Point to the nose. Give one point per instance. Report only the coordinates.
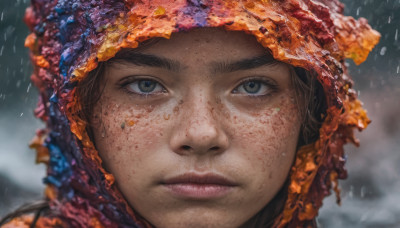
(198, 131)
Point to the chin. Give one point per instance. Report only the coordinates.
(205, 219)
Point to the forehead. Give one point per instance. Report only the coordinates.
(211, 43)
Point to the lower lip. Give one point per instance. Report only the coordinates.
(199, 191)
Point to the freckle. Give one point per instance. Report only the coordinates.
(136, 146)
(176, 109)
(131, 123)
(270, 175)
(119, 148)
(161, 134)
(180, 102)
(166, 117)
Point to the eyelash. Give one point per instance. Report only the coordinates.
(271, 87)
(125, 84)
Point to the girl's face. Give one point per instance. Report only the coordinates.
(199, 130)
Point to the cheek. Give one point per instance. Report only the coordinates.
(268, 138)
(125, 135)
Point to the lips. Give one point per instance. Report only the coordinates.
(199, 186)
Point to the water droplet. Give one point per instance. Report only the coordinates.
(383, 51)
(358, 11)
(398, 69)
(351, 191)
(21, 114)
(363, 191)
(389, 19)
(18, 83)
(2, 16)
(166, 117)
(29, 87)
(396, 34)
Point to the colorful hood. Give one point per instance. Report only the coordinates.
(70, 37)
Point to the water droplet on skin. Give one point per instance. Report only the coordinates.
(166, 117)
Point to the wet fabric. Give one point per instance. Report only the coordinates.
(70, 37)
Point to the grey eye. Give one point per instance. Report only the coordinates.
(147, 86)
(252, 87)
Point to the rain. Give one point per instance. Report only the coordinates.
(370, 195)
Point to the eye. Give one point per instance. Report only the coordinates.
(255, 87)
(144, 87)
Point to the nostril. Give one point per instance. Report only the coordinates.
(214, 148)
(185, 147)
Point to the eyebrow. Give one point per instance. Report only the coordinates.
(244, 64)
(140, 59)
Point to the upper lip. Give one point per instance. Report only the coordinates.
(200, 179)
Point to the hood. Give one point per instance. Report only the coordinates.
(70, 37)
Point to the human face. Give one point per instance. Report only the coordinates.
(199, 130)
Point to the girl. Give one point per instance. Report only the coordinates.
(192, 113)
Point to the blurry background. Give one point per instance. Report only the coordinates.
(371, 194)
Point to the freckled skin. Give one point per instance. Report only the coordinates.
(249, 140)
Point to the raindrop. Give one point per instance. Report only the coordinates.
(29, 87)
(1, 51)
(14, 49)
(358, 11)
(2, 16)
(389, 19)
(363, 191)
(398, 69)
(383, 51)
(21, 114)
(351, 191)
(18, 83)
(396, 34)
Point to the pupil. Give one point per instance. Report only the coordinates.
(147, 86)
(252, 87)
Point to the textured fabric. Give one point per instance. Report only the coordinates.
(69, 38)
